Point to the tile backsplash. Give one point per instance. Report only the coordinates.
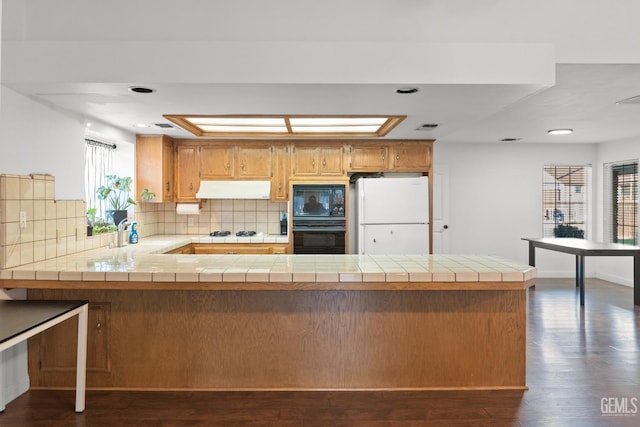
(50, 228)
(232, 215)
(54, 228)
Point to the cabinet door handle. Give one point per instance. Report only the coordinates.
(168, 186)
(397, 156)
(313, 163)
(191, 186)
(324, 163)
(242, 165)
(98, 326)
(383, 157)
(228, 166)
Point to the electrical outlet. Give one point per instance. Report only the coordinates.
(23, 219)
(189, 222)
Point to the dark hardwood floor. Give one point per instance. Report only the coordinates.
(575, 359)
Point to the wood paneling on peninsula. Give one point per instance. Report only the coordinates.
(299, 340)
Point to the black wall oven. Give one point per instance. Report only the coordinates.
(319, 219)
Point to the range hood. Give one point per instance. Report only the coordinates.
(234, 190)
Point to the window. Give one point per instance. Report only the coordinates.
(621, 202)
(98, 157)
(565, 190)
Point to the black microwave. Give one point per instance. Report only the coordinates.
(318, 201)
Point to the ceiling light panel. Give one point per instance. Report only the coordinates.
(286, 125)
(237, 121)
(335, 129)
(243, 129)
(338, 121)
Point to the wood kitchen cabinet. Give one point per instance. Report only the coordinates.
(155, 167)
(187, 173)
(280, 179)
(368, 157)
(317, 160)
(410, 156)
(254, 161)
(49, 351)
(405, 156)
(217, 161)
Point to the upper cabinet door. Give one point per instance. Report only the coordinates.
(167, 170)
(280, 180)
(411, 156)
(154, 167)
(332, 160)
(254, 162)
(369, 158)
(216, 161)
(305, 161)
(187, 173)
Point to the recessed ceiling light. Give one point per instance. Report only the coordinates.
(407, 90)
(141, 125)
(141, 89)
(510, 139)
(560, 131)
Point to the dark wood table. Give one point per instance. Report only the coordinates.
(582, 248)
(22, 319)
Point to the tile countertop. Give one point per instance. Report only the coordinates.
(146, 262)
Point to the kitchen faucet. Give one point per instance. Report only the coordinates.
(121, 232)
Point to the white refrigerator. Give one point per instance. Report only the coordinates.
(392, 215)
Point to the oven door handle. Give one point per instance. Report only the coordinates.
(319, 229)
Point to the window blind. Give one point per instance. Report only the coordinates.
(620, 195)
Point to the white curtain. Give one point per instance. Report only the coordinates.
(98, 158)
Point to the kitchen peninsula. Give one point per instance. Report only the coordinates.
(282, 322)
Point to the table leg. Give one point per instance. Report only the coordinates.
(81, 362)
(577, 271)
(580, 277)
(636, 279)
(532, 255)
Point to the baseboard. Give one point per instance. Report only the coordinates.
(553, 274)
(615, 279)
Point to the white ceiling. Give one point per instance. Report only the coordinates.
(478, 87)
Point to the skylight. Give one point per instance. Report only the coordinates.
(286, 126)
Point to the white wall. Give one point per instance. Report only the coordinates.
(619, 269)
(39, 139)
(35, 138)
(496, 198)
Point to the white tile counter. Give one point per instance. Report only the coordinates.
(131, 266)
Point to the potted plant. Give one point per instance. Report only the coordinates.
(101, 227)
(91, 220)
(147, 195)
(116, 193)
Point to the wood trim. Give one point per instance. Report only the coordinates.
(268, 286)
